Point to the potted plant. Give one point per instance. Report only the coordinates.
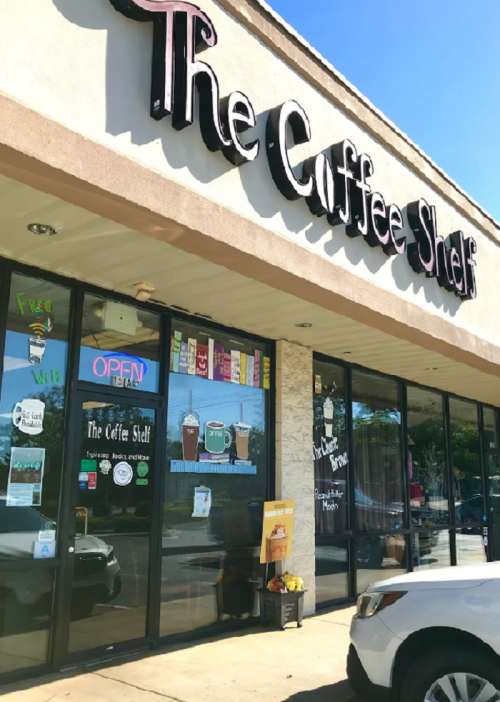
(282, 601)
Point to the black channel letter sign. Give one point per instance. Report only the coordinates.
(333, 183)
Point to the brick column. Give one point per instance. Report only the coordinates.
(294, 458)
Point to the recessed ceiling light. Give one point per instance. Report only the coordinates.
(346, 353)
(304, 325)
(432, 369)
(42, 229)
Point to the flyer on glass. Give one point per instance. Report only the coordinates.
(277, 531)
(24, 488)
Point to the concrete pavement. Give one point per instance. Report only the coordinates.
(257, 664)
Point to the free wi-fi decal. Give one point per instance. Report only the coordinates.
(41, 327)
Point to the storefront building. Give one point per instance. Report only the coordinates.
(225, 278)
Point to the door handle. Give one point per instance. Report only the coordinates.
(82, 513)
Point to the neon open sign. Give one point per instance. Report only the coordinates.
(121, 364)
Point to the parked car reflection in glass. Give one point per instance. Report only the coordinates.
(97, 571)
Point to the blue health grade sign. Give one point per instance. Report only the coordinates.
(44, 549)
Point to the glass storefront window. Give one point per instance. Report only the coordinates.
(491, 452)
(379, 558)
(120, 345)
(32, 415)
(471, 547)
(466, 462)
(217, 438)
(427, 469)
(431, 549)
(25, 615)
(332, 571)
(329, 448)
(199, 589)
(377, 453)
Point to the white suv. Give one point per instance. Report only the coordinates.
(431, 636)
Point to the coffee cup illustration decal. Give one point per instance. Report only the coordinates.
(328, 417)
(41, 327)
(37, 349)
(28, 416)
(242, 432)
(217, 437)
(190, 425)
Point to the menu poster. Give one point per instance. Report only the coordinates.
(202, 360)
(210, 359)
(183, 358)
(243, 369)
(192, 356)
(227, 367)
(250, 370)
(24, 487)
(257, 370)
(218, 362)
(235, 367)
(277, 531)
(266, 381)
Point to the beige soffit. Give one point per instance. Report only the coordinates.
(273, 31)
(104, 182)
(98, 251)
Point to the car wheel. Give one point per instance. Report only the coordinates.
(454, 676)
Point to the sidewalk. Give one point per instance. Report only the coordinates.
(299, 665)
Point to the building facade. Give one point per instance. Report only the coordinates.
(225, 278)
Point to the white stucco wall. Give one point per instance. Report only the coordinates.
(81, 63)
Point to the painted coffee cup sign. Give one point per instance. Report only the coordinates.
(190, 424)
(242, 431)
(217, 437)
(28, 416)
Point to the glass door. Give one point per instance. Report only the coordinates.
(109, 542)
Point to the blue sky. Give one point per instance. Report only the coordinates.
(432, 66)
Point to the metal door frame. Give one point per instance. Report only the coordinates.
(59, 655)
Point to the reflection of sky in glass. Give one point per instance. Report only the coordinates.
(131, 365)
(23, 379)
(213, 400)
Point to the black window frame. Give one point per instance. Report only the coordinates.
(73, 384)
(408, 530)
